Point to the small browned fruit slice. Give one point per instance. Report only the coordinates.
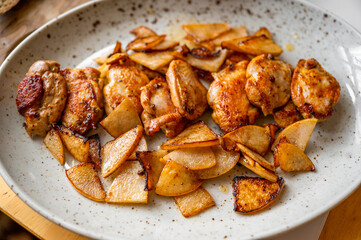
(142, 31)
(129, 185)
(298, 133)
(195, 202)
(142, 146)
(116, 152)
(193, 158)
(123, 118)
(77, 145)
(253, 194)
(176, 180)
(145, 43)
(85, 180)
(263, 31)
(237, 32)
(165, 45)
(53, 142)
(251, 136)
(207, 64)
(94, 150)
(256, 157)
(292, 159)
(271, 130)
(152, 165)
(253, 45)
(204, 32)
(196, 135)
(225, 162)
(258, 169)
(153, 60)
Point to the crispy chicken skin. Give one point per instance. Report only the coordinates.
(41, 97)
(85, 103)
(268, 83)
(227, 97)
(157, 105)
(314, 91)
(286, 115)
(124, 80)
(188, 94)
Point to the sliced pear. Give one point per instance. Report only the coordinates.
(153, 166)
(196, 135)
(291, 159)
(85, 180)
(153, 60)
(77, 145)
(263, 31)
(195, 202)
(256, 157)
(253, 45)
(123, 118)
(271, 130)
(204, 32)
(165, 45)
(225, 162)
(142, 146)
(298, 133)
(95, 150)
(193, 158)
(176, 180)
(145, 43)
(253, 194)
(116, 152)
(53, 142)
(129, 185)
(207, 64)
(142, 32)
(237, 32)
(258, 169)
(252, 136)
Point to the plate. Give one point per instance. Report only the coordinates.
(74, 37)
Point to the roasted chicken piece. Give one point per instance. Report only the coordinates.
(188, 94)
(227, 97)
(124, 80)
(157, 105)
(314, 91)
(41, 97)
(268, 82)
(286, 115)
(85, 103)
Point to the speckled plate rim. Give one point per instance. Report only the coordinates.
(73, 227)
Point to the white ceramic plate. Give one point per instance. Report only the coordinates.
(40, 181)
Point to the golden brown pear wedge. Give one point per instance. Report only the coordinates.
(225, 162)
(291, 159)
(256, 157)
(196, 135)
(129, 185)
(263, 31)
(153, 60)
(116, 152)
(95, 150)
(145, 43)
(207, 64)
(150, 161)
(253, 194)
(176, 180)
(85, 180)
(123, 118)
(298, 133)
(237, 32)
(77, 145)
(253, 45)
(257, 168)
(193, 158)
(142, 147)
(53, 142)
(253, 137)
(204, 32)
(142, 32)
(195, 202)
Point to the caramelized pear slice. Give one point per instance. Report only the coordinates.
(204, 32)
(258, 169)
(237, 32)
(145, 43)
(142, 146)
(95, 150)
(153, 60)
(256, 157)
(53, 142)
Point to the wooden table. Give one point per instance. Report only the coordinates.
(343, 222)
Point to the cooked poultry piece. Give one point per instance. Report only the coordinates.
(227, 97)
(268, 82)
(85, 103)
(124, 80)
(314, 91)
(286, 115)
(41, 97)
(159, 111)
(188, 94)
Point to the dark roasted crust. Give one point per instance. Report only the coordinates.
(274, 195)
(30, 90)
(203, 53)
(146, 169)
(95, 150)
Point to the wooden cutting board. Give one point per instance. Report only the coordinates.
(343, 222)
